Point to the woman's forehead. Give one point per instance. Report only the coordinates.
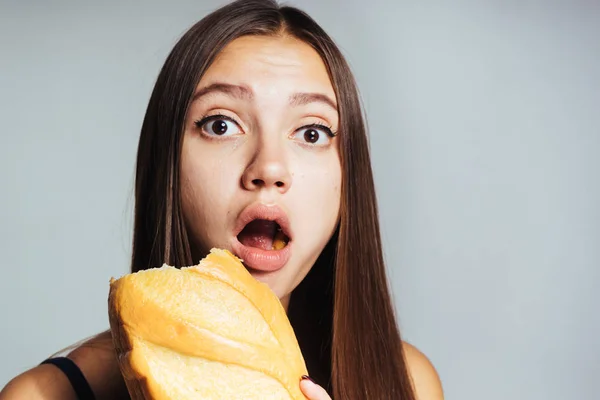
(269, 65)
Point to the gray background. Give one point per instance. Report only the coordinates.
(485, 124)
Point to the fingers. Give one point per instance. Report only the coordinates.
(312, 391)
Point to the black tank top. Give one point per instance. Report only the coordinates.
(71, 370)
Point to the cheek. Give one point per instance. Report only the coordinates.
(318, 196)
(206, 185)
(331, 181)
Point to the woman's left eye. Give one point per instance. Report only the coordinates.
(218, 125)
(314, 134)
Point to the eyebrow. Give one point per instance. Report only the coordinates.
(245, 93)
(300, 99)
(238, 91)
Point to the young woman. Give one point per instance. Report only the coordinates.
(254, 126)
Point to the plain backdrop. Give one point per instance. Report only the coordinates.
(485, 132)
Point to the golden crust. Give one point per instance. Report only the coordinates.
(136, 317)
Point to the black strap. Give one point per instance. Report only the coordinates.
(71, 370)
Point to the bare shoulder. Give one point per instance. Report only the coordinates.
(426, 381)
(38, 383)
(95, 358)
(98, 362)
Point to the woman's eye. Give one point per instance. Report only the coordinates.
(218, 126)
(314, 135)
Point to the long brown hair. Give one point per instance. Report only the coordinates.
(342, 311)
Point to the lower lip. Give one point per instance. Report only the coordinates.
(262, 260)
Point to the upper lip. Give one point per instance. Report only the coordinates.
(262, 211)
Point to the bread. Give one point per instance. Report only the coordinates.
(209, 331)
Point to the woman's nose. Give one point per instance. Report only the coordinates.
(267, 170)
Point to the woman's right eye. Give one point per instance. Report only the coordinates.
(218, 125)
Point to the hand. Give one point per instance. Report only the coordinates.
(311, 390)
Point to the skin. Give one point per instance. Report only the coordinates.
(262, 158)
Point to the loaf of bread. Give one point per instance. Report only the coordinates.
(209, 331)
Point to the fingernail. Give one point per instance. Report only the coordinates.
(308, 377)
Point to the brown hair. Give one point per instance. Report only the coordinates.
(342, 311)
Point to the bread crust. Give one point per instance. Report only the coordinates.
(135, 319)
(137, 385)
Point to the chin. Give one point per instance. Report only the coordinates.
(281, 284)
(270, 279)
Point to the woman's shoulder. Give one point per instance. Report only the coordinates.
(39, 383)
(94, 358)
(97, 361)
(426, 381)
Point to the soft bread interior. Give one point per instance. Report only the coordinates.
(184, 377)
(205, 332)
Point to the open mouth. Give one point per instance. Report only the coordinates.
(263, 238)
(263, 234)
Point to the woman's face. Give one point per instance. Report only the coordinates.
(260, 165)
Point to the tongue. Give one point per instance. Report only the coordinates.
(259, 234)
